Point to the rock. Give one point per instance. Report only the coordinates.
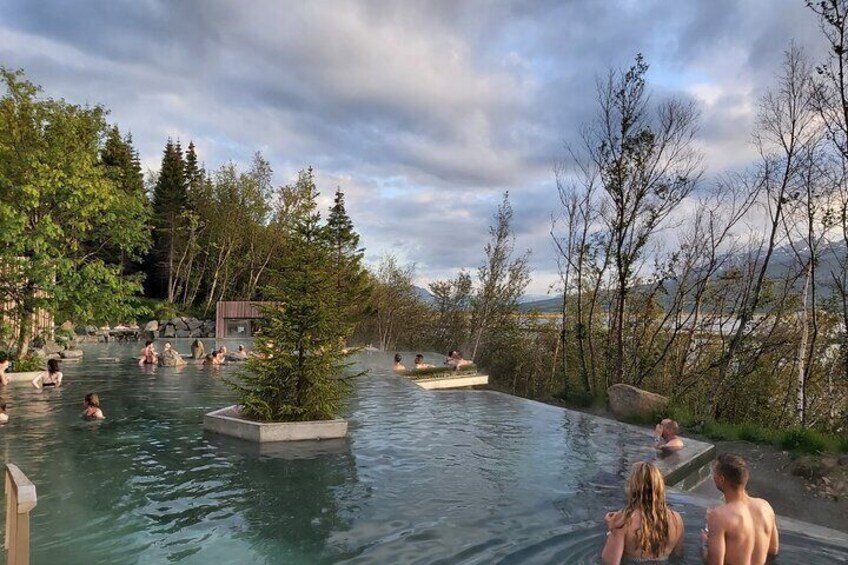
(197, 350)
(38, 352)
(193, 324)
(236, 356)
(67, 326)
(71, 354)
(171, 358)
(91, 330)
(169, 331)
(50, 347)
(195, 333)
(626, 400)
(179, 323)
(151, 326)
(183, 333)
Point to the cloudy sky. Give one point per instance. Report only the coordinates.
(423, 112)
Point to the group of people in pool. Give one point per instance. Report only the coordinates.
(454, 359)
(742, 530)
(220, 356)
(50, 379)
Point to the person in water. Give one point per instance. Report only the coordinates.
(420, 364)
(455, 360)
(665, 434)
(4, 364)
(148, 354)
(91, 404)
(213, 359)
(3, 416)
(398, 365)
(743, 529)
(52, 378)
(646, 529)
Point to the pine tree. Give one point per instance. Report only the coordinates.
(299, 374)
(351, 277)
(170, 200)
(122, 166)
(195, 176)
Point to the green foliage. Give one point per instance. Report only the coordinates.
(58, 203)
(803, 440)
(352, 282)
(29, 363)
(300, 374)
(440, 371)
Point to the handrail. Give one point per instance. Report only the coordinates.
(20, 500)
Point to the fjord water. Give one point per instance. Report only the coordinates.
(424, 477)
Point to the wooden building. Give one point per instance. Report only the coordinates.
(235, 319)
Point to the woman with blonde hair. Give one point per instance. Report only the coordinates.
(646, 529)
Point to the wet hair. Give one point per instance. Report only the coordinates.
(733, 468)
(213, 354)
(671, 426)
(3, 405)
(451, 352)
(419, 358)
(148, 343)
(92, 399)
(646, 494)
(241, 347)
(3, 357)
(53, 366)
(398, 358)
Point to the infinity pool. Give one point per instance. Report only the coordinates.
(424, 477)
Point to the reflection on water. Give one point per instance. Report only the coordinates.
(424, 477)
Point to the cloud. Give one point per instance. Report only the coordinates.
(423, 112)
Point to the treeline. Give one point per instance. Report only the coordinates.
(85, 237)
(727, 293)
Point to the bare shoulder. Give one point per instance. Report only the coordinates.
(763, 506)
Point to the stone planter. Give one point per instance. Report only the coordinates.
(227, 421)
(458, 381)
(24, 377)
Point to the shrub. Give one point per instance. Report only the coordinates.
(440, 372)
(803, 440)
(29, 363)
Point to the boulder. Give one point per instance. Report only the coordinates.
(91, 330)
(169, 331)
(71, 354)
(38, 352)
(193, 323)
(50, 347)
(183, 333)
(67, 326)
(236, 356)
(151, 326)
(196, 333)
(197, 350)
(179, 323)
(627, 401)
(171, 358)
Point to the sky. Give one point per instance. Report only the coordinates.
(423, 112)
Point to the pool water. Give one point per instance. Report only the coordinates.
(424, 477)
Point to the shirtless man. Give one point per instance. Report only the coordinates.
(666, 436)
(148, 354)
(743, 531)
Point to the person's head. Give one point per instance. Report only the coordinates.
(452, 352)
(53, 366)
(419, 359)
(730, 472)
(92, 400)
(167, 346)
(223, 349)
(241, 348)
(214, 355)
(2, 405)
(646, 493)
(148, 343)
(398, 358)
(670, 429)
(3, 357)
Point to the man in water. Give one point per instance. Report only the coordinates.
(398, 364)
(743, 530)
(666, 436)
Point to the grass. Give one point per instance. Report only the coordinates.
(796, 439)
(440, 371)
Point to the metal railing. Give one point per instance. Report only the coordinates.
(20, 500)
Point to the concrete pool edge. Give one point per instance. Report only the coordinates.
(225, 421)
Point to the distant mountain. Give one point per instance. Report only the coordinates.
(544, 306)
(425, 295)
